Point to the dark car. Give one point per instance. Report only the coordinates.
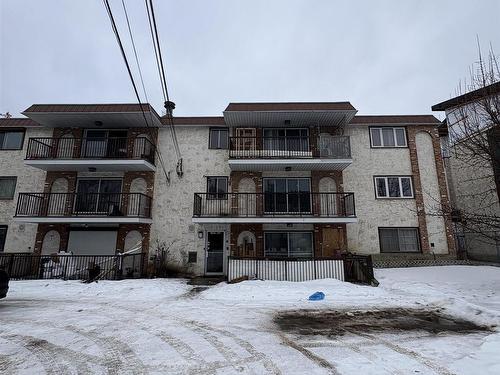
(4, 283)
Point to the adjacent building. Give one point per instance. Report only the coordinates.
(264, 180)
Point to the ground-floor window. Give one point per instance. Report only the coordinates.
(3, 235)
(288, 244)
(396, 240)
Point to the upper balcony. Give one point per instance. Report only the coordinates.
(291, 207)
(91, 153)
(331, 152)
(86, 208)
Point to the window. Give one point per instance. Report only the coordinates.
(288, 244)
(394, 187)
(287, 195)
(395, 240)
(219, 138)
(217, 187)
(3, 235)
(284, 139)
(7, 187)
(388, 137)
(11, 139)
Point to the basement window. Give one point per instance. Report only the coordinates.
(399, 240)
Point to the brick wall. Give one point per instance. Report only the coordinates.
(43, 229)
(443, 191)
(256, 229)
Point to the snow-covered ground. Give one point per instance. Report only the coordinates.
(164, 327)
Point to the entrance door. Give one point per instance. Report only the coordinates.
(215, 253)
(333, 241)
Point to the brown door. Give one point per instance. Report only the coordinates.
(333, 241)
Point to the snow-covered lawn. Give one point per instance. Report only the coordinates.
(164, 327)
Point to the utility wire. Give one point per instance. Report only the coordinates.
(120, 45)
(161, 71)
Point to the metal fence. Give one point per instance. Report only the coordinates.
(26, 266)
(91, 148)
(274, 204)
(83, 204)
(333, 147)
(352, 268)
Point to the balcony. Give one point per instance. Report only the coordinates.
(274, 208)
(289, 153)
(88, 208)
(80, 154)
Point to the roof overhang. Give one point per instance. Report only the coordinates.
(289, 114)
(93, 116)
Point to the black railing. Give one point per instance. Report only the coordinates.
(274, 204)
(26, 266)
(332, 147)
(83, 204)
(91, 148)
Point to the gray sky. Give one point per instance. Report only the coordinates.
(385, 57)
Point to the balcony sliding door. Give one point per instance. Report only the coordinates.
(105, 144)
(98, 197)
(287, 196)
(286, 142)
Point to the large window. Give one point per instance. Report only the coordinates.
(288, 244)
(399, 240)
(7, 187)
(3, 235)
(11, 139)
(393, 187)
(286, 139)
(217, 187)
(388, 137)
(99, 196)
(287, 195)
(219, 138)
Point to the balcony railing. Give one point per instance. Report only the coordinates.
(83, 205)
(91, 148)
(331, 147)
(274, 204)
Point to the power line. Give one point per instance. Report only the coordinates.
(118, 39)
(169, 105)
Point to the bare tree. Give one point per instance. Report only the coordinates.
(473, 152)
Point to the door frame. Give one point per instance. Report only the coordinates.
(223, 253)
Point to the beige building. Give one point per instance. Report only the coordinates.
(264, 180)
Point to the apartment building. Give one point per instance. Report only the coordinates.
(471, 143)
(264, 180)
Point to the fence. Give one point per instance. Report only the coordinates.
(23, 266)
(83, 204)
(353, 268)
(274, 204)
(91, 148)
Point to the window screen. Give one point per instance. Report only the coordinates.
(394, 240)
(7, 187)
(219, 138)
(3, 235)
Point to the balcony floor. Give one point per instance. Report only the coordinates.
(294, 164)
(83, 220)
(275, 220)
(83, 165)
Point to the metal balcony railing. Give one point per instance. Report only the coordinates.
(91, 148)
(273, 204)
(332, 147)
(83, 205)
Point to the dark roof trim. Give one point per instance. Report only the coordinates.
(396, 119)
(468, 97)
(18, 123)
(200, 120)
(290, 106)
(78, 108)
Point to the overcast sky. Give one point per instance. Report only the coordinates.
(385, 57)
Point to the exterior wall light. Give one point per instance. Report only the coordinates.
(200, 234)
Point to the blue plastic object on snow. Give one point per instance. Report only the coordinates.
(318, 296)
